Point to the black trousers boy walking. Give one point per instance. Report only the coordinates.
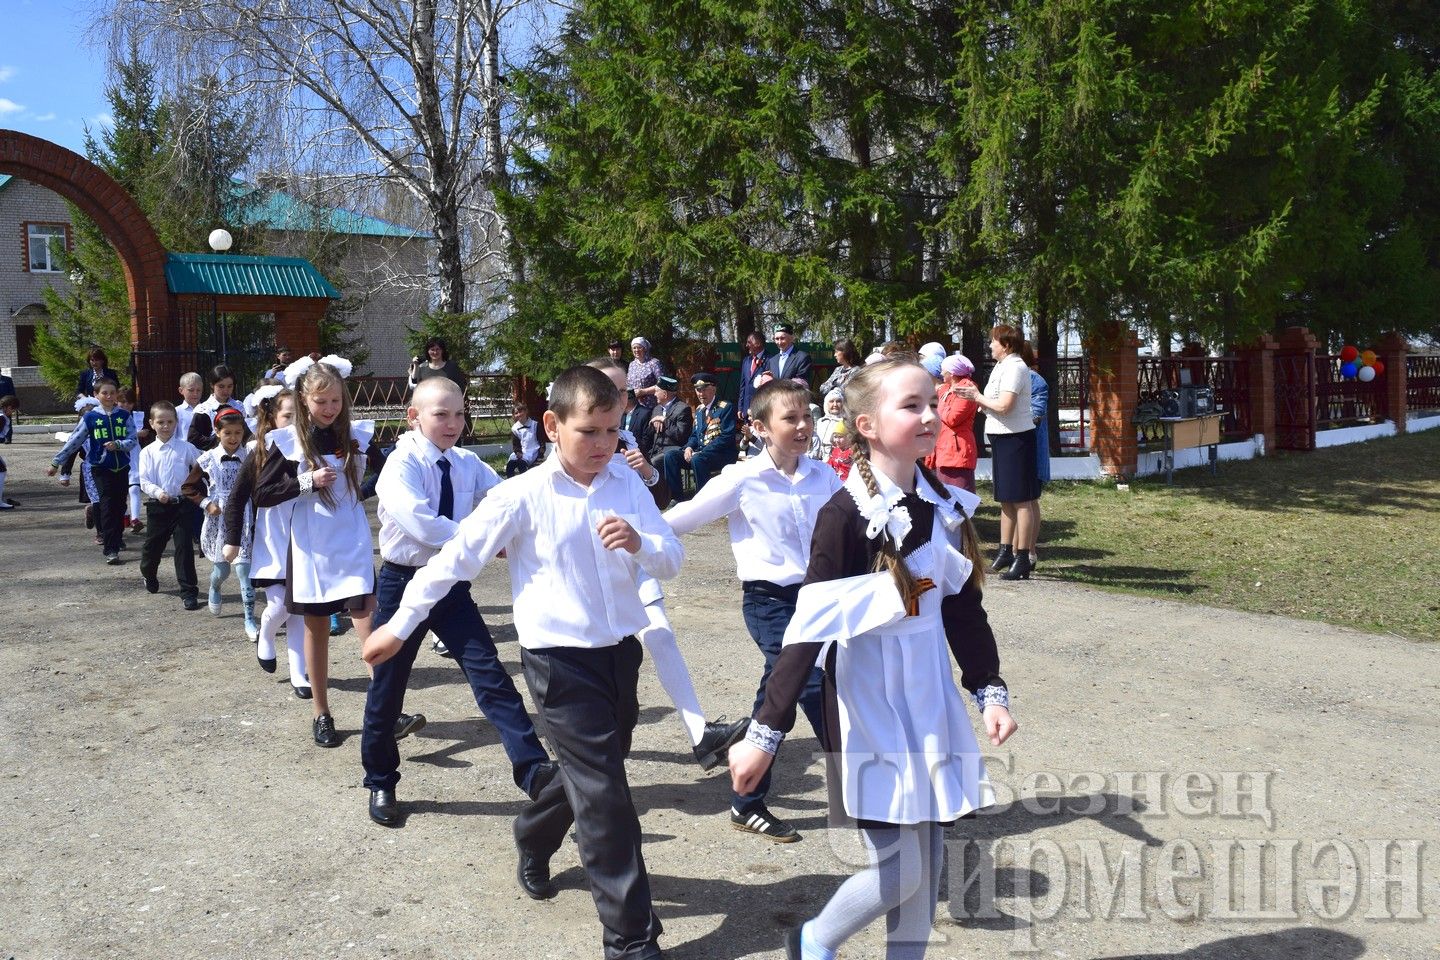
(170, 521)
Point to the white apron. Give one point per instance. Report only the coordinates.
(907, 751)
(332, 555)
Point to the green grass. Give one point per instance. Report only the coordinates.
(1348, 535)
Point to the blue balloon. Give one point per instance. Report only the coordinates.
(1348, 371)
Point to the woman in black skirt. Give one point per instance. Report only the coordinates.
(1010, 431)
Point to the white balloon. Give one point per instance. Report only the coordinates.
(220, 240)
(1366, 374)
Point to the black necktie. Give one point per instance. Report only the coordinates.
(447, 491)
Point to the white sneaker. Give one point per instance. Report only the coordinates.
(213, 607)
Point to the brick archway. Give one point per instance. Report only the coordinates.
(121, 220)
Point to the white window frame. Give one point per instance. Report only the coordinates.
(46, 233)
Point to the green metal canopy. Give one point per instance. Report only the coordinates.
(221, 275)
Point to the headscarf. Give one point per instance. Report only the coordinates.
(957, 365)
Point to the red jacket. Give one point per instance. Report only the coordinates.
(955, 444)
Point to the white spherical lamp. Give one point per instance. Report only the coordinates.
(220, 240)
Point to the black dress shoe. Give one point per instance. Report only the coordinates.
(1003, 559)
(715, 743)
(534, 876)
(408, 723)
(267, 665)
(304, 693)
(323, 729)
(191, 603)
(384, 808)
(152, 585)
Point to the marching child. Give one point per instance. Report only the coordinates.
(164, 468)
(709, 740)
(143, 436)
(104, 433)
(771, 501)
(192, 388)
(222, 396)
(426, 488)
(9, 407)
(220, 468)
(318, 463)
(576, 530)
(892, 592)
(269, 528)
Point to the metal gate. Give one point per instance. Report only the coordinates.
(244, 342)
(1295, 401)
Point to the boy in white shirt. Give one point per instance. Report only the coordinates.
(524, 442)
(427, 486)
(771, 500)
(164, 466)
(192, 388)
(575, 529)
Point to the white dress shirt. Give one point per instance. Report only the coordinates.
(411, 528)
(772, 516)
(569, 590)
(184, 413)
(529, 434)
(781, 359)
(164, 466)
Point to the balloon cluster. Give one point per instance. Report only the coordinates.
(1360, 365)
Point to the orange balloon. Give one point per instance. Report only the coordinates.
(1369, 357)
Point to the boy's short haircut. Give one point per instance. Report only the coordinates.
(161, 406)
(775, 395)
(191, 379)
(583, 389)
(126, 394)
(607, 363)
(8, 401)
(221, 372)
(521, 407)
(103, 382)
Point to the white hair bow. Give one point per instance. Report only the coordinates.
(891, 517)
(252, 402)
(296, 370)
(85, 403)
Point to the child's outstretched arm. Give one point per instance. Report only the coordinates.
(972, 644)
(494, 523)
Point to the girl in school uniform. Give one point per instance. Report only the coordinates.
(318, 463)
(891, 593)
(273, 407)
(220, 467)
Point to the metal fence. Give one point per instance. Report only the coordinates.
(1422, 389)
(1070, 394)
(385, 400)
(1227, 377)
(1340, 402)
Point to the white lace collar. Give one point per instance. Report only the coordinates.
(882, 511)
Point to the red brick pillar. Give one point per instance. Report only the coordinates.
(1296, 389)
(1114, 394)
(1259, 357)
(1391, 351)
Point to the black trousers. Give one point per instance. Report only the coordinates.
(114, 489)
(587, 707)
(170, 521)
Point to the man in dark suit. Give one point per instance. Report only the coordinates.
(637, 421)
(670, 421)
(789, 363)
(751, 364)
(712, 444)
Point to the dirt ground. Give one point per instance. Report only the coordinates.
(1187, 782)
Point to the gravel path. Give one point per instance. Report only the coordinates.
(161, 797)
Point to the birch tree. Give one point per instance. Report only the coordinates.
(407, 92)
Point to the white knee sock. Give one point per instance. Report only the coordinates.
(295, 639)
(135, 513)
(670, 667)
(270, 621)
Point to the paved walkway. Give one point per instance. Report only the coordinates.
(161, 797)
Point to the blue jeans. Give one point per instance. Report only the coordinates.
(457, 622)
(766, 617)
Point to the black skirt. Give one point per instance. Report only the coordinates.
(1013, 465)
